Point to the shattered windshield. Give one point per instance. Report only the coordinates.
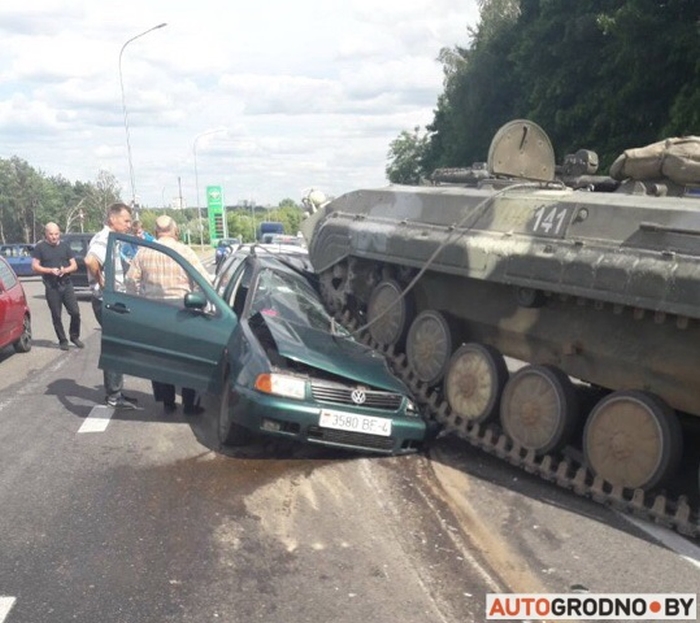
(290, 297)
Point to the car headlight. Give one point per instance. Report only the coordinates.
(411, 408)
(281, 385)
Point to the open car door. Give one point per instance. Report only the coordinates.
(149, 332)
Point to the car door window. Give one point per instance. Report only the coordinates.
(226, 274)
(150, 273)
(77, 246)
(239, 292)
(7, 276)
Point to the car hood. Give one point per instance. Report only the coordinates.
(335, 354)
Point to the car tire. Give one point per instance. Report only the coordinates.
(24, 342)
(230, 432)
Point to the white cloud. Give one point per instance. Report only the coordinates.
(308, 93)
(20, 116)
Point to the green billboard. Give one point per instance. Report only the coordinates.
(217, 213)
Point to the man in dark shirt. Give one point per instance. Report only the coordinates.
(54, 260)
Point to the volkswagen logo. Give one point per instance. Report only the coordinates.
(358, 396)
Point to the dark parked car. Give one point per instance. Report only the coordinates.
(19, 256)
(79, 242)
(15, 318)
(264, 352)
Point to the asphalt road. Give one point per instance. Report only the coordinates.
(144, 520)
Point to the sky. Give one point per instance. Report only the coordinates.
(265, 98)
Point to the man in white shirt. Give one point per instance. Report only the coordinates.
(118, 220)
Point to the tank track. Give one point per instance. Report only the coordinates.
(566, 472)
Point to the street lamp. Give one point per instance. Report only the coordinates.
(126, 116)
(196, 179)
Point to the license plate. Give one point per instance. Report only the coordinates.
(355, 423)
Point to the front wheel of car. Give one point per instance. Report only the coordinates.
(230, 433)
(24, 343)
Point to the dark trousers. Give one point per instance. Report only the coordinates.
(113, 381)
(165, 393)
(58, 296)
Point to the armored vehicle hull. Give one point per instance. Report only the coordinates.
(595, 295)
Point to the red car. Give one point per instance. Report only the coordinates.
(15, 318)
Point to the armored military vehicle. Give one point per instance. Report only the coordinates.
(589, 285)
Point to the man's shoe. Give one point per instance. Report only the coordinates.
(169, 407)
(130, 399)
(118, 402)
(193, 409)
(63, 345)
(78, 342)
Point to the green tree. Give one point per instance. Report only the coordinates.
(29, 199)
(621, 92)
(288, 213)
(598, 74)
(406, 156)
(22, 200)
(240, 225)
(480, 93)
(103, 192)
(8, 190)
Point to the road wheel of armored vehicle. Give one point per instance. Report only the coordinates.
(633, 438)
(539, 408)
(333, 284)
(389, 314)
(429, 345)
(476, 375)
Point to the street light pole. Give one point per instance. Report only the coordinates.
(196, 179)
(126, 116)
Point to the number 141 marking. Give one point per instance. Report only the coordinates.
(549, 221)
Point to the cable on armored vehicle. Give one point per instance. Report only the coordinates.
(455, 231)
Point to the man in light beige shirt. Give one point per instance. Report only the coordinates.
(153, 275)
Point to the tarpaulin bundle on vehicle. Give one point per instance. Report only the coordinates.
(677, 159)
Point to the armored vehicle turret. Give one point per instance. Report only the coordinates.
(589, 285)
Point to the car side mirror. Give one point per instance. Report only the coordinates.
(195, 300)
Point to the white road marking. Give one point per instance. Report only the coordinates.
(6, 604)
(97, 420)
(685, 549)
